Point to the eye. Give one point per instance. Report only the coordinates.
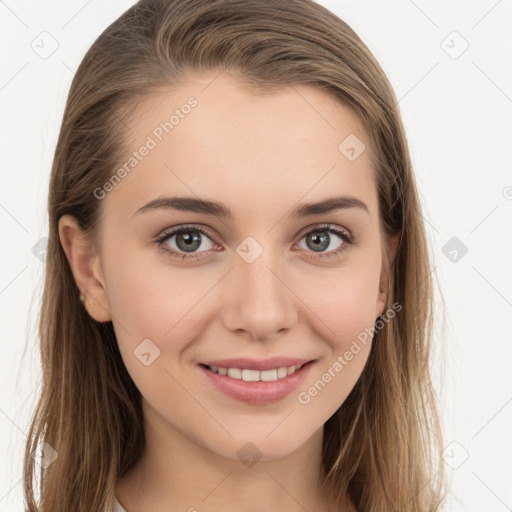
(187, 240)
(320, 238)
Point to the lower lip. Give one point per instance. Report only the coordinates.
(258, 392)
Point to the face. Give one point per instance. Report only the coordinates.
(262, 283)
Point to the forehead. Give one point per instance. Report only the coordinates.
(213, 137)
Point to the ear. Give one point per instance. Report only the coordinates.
(384, 278)
(85, 265)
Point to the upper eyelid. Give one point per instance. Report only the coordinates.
(325, 227)
(168, 233)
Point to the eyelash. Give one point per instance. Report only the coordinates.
(347, 239)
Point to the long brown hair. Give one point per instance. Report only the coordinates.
(383, 446)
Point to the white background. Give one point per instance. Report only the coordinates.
(457, 113)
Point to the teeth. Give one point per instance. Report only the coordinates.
(255, 375)
(282, 372)
(249, 375)
(267, 375)
(235, 373)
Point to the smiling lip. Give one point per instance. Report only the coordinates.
(259, 392)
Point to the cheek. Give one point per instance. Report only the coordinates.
(342, 312)
(163, 303)
(165, 309)
(342, 304)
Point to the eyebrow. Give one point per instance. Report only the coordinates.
(198, 205)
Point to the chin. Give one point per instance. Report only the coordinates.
(250, 449)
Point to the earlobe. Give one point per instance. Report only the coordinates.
(86, 268)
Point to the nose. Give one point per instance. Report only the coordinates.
(258, 300)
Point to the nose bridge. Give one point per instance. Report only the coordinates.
(258, 279)
(259, 301)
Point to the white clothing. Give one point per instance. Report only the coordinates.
(117, 506)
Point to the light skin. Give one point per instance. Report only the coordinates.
(260, 155)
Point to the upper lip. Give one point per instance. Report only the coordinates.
(257, 364)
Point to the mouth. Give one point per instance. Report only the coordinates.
(257, 385)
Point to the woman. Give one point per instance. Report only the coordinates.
(237, 311)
